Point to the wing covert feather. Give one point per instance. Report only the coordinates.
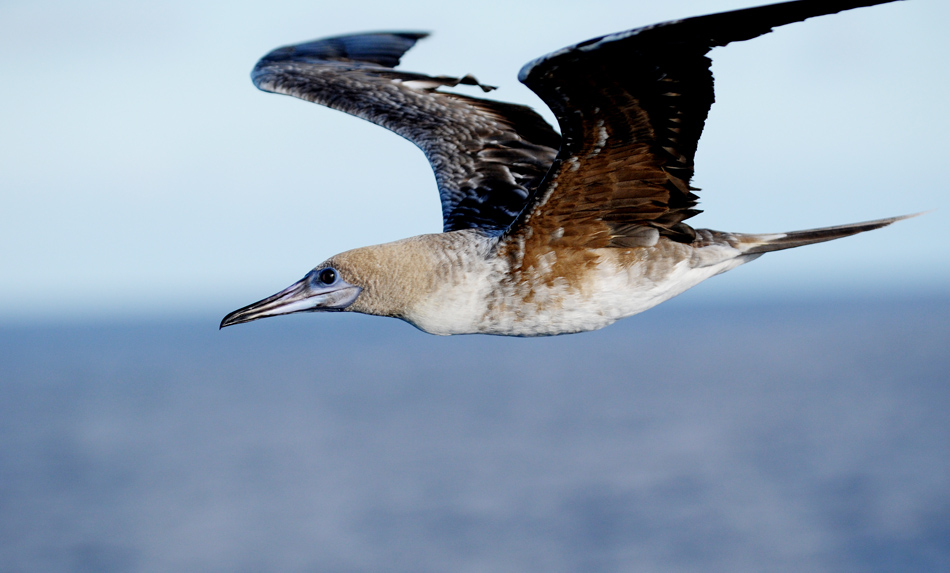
(487, 156)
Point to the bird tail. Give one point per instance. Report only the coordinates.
(764, 243)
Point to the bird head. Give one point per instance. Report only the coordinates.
(383, 280)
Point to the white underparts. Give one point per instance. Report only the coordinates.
(488, 297)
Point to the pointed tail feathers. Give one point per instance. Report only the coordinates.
(765, 243)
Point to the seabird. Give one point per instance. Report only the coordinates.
(543, 233)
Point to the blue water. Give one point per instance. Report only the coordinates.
(801, 437)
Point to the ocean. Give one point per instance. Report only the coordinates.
(805, 436)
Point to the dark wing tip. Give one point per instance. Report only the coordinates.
(381, 48)
(709, 31)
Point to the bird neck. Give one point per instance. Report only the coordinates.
(400, 277)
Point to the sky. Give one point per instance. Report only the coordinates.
(142, 174)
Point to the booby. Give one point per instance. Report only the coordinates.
(543, 234)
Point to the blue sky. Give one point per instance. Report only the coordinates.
(143, 174)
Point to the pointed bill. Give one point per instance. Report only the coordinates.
(305, 295)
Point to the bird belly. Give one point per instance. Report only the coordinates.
(621, 283)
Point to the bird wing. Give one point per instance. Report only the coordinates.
(487, 155)
(631, 107)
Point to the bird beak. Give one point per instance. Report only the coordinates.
(305, 295)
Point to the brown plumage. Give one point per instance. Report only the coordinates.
(543, 233)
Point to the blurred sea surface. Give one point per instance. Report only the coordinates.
(808, 436)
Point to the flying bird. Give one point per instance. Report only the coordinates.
(543, 233)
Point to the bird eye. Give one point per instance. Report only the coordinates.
(327, 276)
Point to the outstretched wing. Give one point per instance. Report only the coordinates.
(631, 107)
(487, 156)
